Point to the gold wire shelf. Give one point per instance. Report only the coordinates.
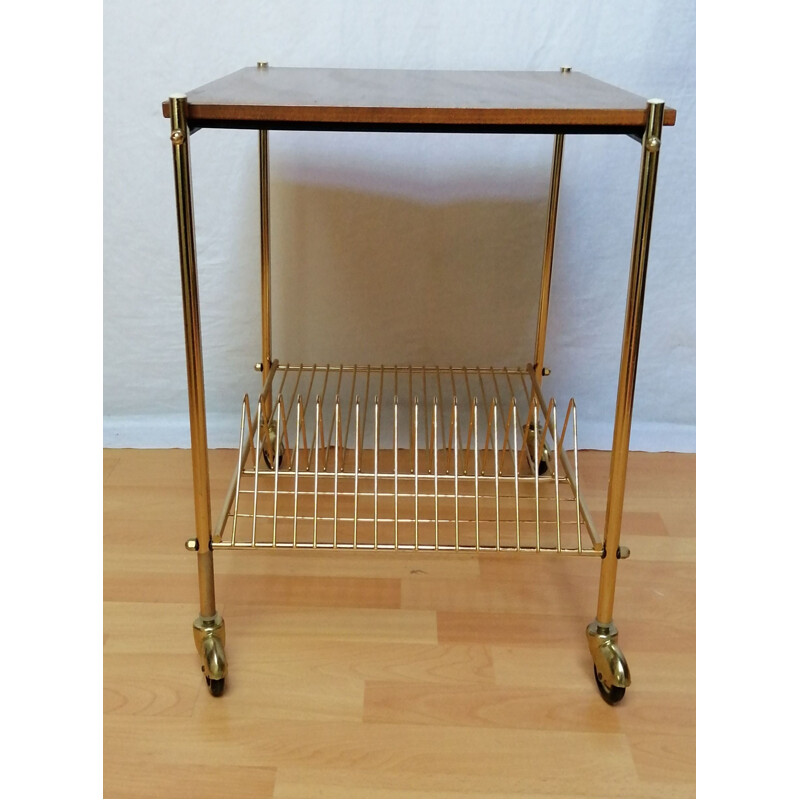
(406, 458)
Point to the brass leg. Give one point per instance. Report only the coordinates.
(209, 622)
(547, 260)
(273, 449)
(602, 633)
(266, 317)
(266, 307)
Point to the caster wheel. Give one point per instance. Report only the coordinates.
(543, 463)
(611, 694)
(268, 460)
(216, 686)
(542, 467)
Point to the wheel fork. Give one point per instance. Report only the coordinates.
(608, 659)
(209, 639)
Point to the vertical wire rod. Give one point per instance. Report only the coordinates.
(379, 407)
(319, 430)
(416, 473)
(297, 465)
(255, 478)
(366, 401)
(333, 429)
(506, 432)
(375, 484)
(475, 452)
(516, 470)
(561, 438)
(239, 471)
(531, 398)
(307, 401)
(451, 442)
(411, 434)
(455, 395)
(280, 417)
(440, 396)
(337, 427)
(496, 385)
(575, 456)
(285, 371)
(592, 531)
(355, 480)
(425, 414)
(295, 393)
(488, 423)
(250, 429)
(555, 475)
(496, 477)
(469, 427)
(524, 451)
(566, 423)
(455, 460)
(285, 418)
(395, 465)
(435, 473)
(317, 422)
(349, 416)
(548, 415)
(536, 472)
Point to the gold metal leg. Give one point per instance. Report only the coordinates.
(266, 317)
(266, 308)
(613, 672)
(273, 449)
(209, 621)
(549, 249)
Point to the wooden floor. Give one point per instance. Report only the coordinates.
(395, 675)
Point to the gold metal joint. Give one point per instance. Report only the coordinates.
(205, 627)
(263, 64)
(178, 137)
(545, 371)
(566, 69)
(191, 545)
(259, 367)
(653, 144)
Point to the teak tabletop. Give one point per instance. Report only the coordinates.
(287, 98)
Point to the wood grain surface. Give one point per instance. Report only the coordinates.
(280, 97)
(394, 674)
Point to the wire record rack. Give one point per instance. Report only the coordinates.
(406, 458)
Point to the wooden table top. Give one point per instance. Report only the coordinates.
(289, 98)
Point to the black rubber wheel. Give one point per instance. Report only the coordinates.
(542, 467)
(611, 694)
(216, 686)
(269, 463)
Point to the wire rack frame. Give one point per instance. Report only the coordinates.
(406, 458)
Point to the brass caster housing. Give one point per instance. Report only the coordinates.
(545, 463)
(610, 667)
(209, 639)
(272, 433)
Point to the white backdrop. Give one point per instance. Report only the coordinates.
(394, 248)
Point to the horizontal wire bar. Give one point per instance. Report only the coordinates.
(402, 546)
(428, 370)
